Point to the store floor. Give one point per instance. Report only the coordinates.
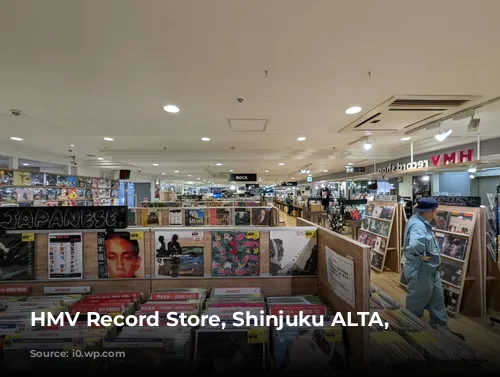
(477, 332)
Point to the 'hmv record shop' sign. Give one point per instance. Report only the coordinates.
(63, 218)
(242, 177)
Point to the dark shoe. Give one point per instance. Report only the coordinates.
(458, 335)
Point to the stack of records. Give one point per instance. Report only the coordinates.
(150, 347)
(234, 348)
(411, 341)
(315, 346)
(27, 347)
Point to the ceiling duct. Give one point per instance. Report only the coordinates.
(401, 114)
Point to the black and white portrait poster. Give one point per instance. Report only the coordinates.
(65, 256)
(16, 257)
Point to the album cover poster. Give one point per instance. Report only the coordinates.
(366, 223)
(131, 220)
(384, 229)
(241, 216)
(363, 237)
(153, 218)
(6, 177)
(451, 298)
(441, 221)
(24, 194)
(293, 252)
(235, 254)
(375, 226)
(195, 216)
(219, 216)
(377, 260)
(179, 253)
(455, 246)
(65, 256)
(120, 255)
(50, 180)
(461, 223)
(21, 178)
(175, 217)
(261, 216)
(369, 209)
(387, 212)
(16, 258)
(439, 240)
(377, 211)
(451, 272)
(39, 194)
(378, 244)
(36, 179)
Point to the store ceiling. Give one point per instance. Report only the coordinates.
(83, 70)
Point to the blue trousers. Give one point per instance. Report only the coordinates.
(425, 291)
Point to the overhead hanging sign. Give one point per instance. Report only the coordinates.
(386, 198)
(288, 184)
(309, 179)
(241, 177)
(352, 169)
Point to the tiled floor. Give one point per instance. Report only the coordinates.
(478, 332)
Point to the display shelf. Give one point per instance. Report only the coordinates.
(27, 189)
(204, 216)
(380, 230)
(302, 250)
(459, 233)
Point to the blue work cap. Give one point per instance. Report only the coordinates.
(426, 205)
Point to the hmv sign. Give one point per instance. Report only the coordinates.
(242, 177)
(436, 160)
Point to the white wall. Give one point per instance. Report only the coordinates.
(405, 187)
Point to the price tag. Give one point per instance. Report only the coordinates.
(257, 335)
(310, 233)
(28, 237)
(333, 334)
(253, 235)
(136, 236)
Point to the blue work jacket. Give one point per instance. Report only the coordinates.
(420, 241)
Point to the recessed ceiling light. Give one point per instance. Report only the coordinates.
(108, 139)
(350, 163)
(368, 133)
(197, 178)
(156, 164)
(100, 158)
(171, 109)
(204, 180)
(292, 178)
(218, 164)
(405, 138)
(325, 171)
(230, 170)
(189, 175)
(205, 139)
(267, 171)
(72, 145)
(281, 164)
(176, 171)
(353, 110)
(16, 138)
(25, 164)
(301, 138)
(162, 173)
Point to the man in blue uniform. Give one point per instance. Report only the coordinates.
(421, 269)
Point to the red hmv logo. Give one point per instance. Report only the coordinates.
(453, 158)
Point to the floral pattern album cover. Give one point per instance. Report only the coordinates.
(235, 254)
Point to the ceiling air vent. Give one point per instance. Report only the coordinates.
(247, 125)
(400, 114)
